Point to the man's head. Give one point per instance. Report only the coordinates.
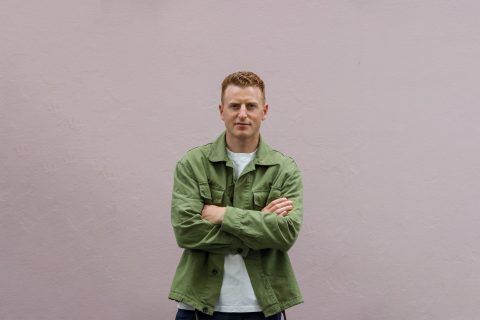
(243, 79)
(243, 109)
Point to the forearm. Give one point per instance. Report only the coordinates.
(278, 227)
(202, 235)
(260, 230)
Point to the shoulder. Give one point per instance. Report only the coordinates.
(285, 161)
(195, 157)
(197, 152)
(286, 172)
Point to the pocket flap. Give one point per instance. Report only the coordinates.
(214, 195)
(260, 198)
(205, 191)
(217, 195)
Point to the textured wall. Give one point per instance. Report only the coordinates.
(376, 100)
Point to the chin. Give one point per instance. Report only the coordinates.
(241, 135)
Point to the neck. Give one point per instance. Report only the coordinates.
(240, 145)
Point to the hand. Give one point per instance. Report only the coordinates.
(213, 214)
(281, 207)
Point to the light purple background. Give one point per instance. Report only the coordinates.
(378, 101)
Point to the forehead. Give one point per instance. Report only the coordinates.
(236, 93)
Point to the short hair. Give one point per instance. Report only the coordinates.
(243, 79)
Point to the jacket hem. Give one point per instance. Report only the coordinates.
(281, 306)
(268, 311)
(181, 297)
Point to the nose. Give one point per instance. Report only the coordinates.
(243, 112)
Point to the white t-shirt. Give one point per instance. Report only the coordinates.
(236, 294)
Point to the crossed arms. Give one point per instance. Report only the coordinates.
(214, 214)
(234, 230)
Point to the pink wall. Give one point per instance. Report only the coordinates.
(377, 101)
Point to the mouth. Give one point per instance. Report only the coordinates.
(242, 124)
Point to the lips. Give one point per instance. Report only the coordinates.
(242, 124)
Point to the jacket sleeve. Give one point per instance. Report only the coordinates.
(260, 230)
(191, 231)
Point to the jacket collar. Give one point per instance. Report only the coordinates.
(264, 156)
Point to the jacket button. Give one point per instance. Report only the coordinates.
(205, 310)
(239, 250)
(214, 272)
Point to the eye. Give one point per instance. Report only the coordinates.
(234, 106)
(251, 106)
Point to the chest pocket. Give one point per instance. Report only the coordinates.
(211, 195)
(264, 197)
(260, 199)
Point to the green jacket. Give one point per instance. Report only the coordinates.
(205, 176)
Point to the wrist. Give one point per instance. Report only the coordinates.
(222, 214)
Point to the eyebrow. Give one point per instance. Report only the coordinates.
(248, 102)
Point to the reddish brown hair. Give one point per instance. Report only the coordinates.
(243, 79)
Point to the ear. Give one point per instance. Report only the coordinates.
(220, 109)
(265, 111)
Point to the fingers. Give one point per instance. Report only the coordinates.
(213, 214)
(284, 213)
(204, 209)
(281, 207)
(276, 202)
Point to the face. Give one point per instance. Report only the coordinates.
(243, 111)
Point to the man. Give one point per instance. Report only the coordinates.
(236, 210)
